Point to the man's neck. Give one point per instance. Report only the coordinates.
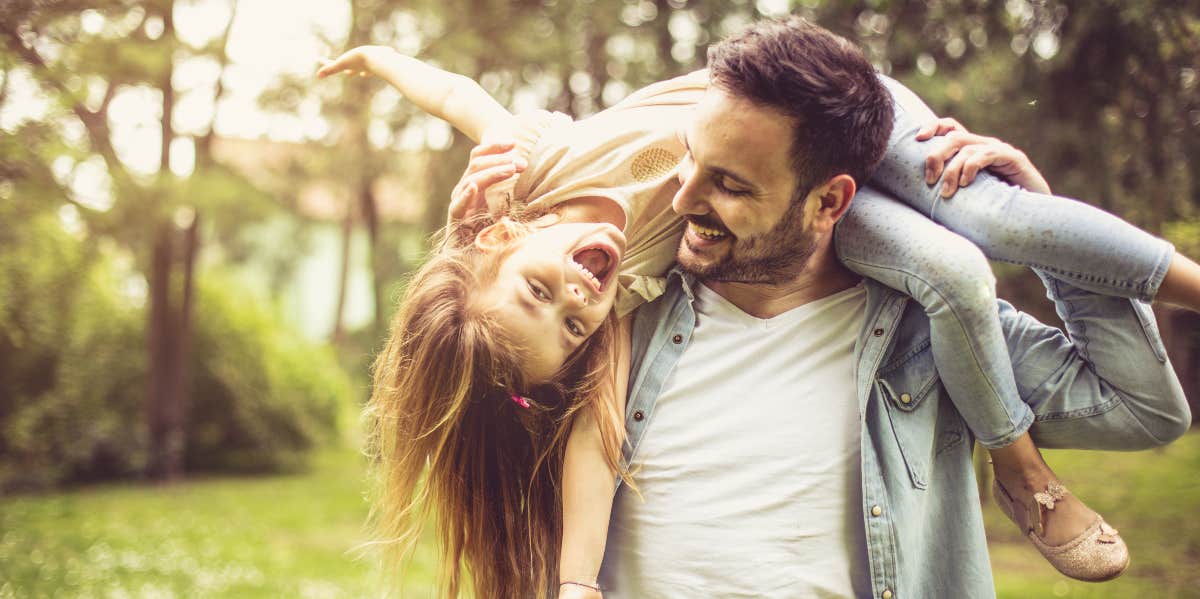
(822, 276)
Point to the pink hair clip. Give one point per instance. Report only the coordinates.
(520, 400)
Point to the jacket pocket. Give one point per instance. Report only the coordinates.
(909, 388)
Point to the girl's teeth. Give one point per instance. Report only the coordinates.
(587, 273)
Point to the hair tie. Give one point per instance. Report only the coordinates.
(520, 400)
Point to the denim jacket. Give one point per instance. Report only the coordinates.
(921, 508)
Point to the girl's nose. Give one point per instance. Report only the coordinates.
(578, 294)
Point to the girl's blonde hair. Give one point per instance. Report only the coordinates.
(453, 448)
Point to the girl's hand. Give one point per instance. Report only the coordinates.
(490, 164)
(965, 154)
(360, 60)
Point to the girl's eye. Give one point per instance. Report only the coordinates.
(538, 292)
(574, 328)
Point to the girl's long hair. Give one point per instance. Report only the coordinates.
(452, 447)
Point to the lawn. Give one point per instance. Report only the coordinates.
(294, 536)
(282, 536)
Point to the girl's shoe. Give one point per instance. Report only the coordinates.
(1096, 554)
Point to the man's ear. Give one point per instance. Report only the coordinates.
(495, 236)
(832, 200)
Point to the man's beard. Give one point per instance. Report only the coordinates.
(774, 257)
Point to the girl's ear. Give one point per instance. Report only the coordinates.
(495, 236)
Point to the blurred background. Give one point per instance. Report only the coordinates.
(201, 246)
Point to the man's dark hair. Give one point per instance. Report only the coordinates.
(842, 112)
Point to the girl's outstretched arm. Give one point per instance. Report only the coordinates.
(456, 99)
(588, 485)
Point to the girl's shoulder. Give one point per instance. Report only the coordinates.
(684, 89)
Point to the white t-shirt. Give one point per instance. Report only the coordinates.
(750, 469)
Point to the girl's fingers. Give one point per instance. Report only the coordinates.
(468, 197)
(489, 177)
(495, 147)
(954, 168)
(935, 163)
(487, 161)
(941, 126)
(979, 161)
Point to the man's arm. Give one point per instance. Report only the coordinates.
(451, 97)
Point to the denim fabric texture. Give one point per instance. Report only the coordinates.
(1105, 385)
(901, 232)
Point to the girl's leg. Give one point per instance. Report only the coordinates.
(950, 277)
(890, 242)
(1072, 241)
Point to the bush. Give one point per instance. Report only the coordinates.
(263, 395)
(73, 370)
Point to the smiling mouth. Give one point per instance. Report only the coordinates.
(595, 263)
(707, 233)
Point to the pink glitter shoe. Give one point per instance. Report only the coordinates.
(1094, 555)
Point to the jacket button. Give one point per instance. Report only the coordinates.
(905, 398)
(877, 332)
(639, 415)
(876, 510)
(677, 339)
(886, 594)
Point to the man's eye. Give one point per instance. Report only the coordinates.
(720, 183)
(574, 328)
(538, 291)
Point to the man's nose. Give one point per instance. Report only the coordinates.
(687, 199)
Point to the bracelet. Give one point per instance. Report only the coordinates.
(593, 587)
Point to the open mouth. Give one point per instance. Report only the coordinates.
(596, 263)
(707, 233)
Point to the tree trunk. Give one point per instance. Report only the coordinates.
(343, 276)
(370, 216)
(169, 320)
(164, 439)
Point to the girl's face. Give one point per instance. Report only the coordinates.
(554, 288)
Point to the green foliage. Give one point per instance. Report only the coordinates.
(68, 360)
(262, 395)
(73, 368)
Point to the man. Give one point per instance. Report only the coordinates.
(785, 421)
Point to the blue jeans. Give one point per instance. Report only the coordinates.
(936, 251)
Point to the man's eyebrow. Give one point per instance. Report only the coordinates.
(716, 169)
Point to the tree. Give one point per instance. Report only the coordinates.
(157, 214)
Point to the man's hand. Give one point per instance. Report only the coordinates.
(360, 60)
(965, 154)
(490, 163)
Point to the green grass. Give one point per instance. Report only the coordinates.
(1152, 497)
(284, 536)
(293, 536)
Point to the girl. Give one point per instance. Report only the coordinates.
(508, 331)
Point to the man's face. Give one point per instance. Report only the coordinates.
(737, 192)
